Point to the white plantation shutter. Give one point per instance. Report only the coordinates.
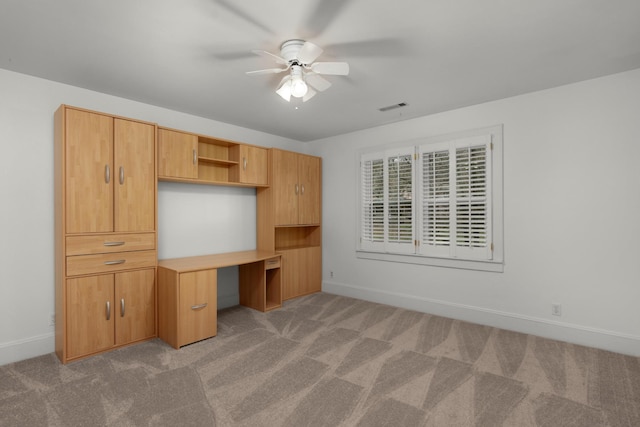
(455, 210)
(436, 198)
(399, 196)
(439, 194)
(372, 202)
(473, 198)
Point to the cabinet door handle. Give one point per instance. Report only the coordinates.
(113, 243)
(297, 189)
(244, 163)
(121, 175)
(108, 310)
(195, 157)
(122, 307)
(199, 306)
(302, 187)
(107, 174)
(116, 262)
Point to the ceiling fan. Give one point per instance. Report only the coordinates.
(304, 78)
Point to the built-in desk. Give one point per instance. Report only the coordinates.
(187, 291)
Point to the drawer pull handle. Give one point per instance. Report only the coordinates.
(122, 307)
(107, 174)
(118, 261)
(199, 306)
(108, 310)
(121, 175)
(113, 243)
(273, 261)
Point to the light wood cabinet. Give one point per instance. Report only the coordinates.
(302, 271)
(252, 165)
(296, 183)
(289, 220)
(188, 303)
(199, 159)
(105, 231)
(109, 170)
(109, 310)
(177, 154)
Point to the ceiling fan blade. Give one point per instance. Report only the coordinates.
(242, 15)
(270, 55)
(310, 94)
(308, 53)
(333, 68)
(317, 81)
(267, 71)
(324, 13)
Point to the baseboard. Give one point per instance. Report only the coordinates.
(576, 334)
(27, 348)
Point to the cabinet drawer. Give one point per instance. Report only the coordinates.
(107, 243)
(104, 263)
(272, 263)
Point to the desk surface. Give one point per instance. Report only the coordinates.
(206, 262)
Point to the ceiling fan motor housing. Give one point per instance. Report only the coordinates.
(289, 50)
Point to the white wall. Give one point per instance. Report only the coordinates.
(193, 219)
(571, 217)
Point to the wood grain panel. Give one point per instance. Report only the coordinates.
(135, 306)
(94, 264)
(134, 176)
(88, 153)
(309, 176)
(285, 181)
(88, 328)
(113, 242)
(197, 288)
(176, 154)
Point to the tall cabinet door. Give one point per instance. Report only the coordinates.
(90, 315)
(285, 187)
(135, 312)
(88, 172)
(134, 198)
(309, 196)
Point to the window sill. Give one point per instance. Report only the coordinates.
(491, 266)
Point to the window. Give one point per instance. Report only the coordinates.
(436, 199)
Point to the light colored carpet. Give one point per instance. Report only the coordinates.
(326, 360)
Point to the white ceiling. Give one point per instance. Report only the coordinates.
(435, 55)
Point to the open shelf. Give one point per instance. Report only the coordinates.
(297, 237)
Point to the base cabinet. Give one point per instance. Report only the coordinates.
(302, 273)
(187, 306)
(109, 310)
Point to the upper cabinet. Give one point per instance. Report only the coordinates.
(177, 154)
(109, 171)
(296, 188)
(188, 157)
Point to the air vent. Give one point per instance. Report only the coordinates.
(393, 107)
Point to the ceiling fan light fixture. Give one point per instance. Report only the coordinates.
(285, 89)
(298, 86)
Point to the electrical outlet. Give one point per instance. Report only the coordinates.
(556, 309)
(52, 320)
(331, 274)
